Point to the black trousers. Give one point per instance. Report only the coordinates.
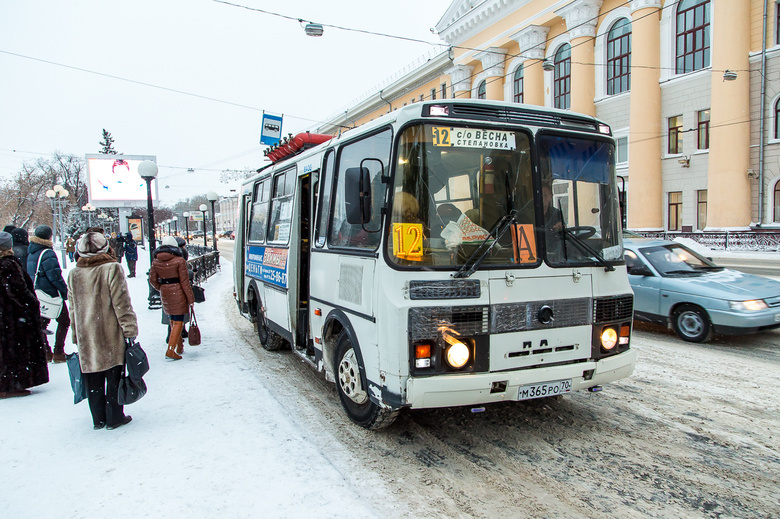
(102, 388)
(131, 267)
(63, 323)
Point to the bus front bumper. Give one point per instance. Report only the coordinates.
(475, 388)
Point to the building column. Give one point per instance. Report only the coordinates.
(581, 17)
(532, 41)
(460, 77)
(645, 141)
(728, 186)
(493, 61)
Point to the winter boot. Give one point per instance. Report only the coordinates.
(173, 341)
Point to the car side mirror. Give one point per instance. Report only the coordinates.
(639, 270)
(357, 196)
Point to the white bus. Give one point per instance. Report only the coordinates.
(451, 253)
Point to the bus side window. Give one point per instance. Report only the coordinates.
(281, 207)
(259, 212)
(323, 207)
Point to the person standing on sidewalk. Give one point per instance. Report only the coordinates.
(49, 279)
(22, 346)
(168, 275)
(21, 244)
(131, 253)
(70, 246)
(103, 318)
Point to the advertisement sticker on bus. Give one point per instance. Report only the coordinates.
(472, 138)
(267, 264)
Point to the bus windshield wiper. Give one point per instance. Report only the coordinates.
(584, 247)
(471, 264)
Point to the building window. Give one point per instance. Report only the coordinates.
(675, 210)
(703, 129)
(482, 90)
(622, 151)
(777, 202)
(693, 35)
(433, 93)
(701, 209)
(562, 80)
(517, 87)
(777, 119)
(444, 90)
(619, 57)
(675, 135)
(777, 23)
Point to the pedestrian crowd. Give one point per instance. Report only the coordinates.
(94, 304)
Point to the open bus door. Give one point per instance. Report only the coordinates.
(303, 337)
(239, 252)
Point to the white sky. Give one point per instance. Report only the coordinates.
(196, 46)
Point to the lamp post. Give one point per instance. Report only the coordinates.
(58, 197)
(175, 225)
(213, 197)
(89, 209)
(148, 171)
(186, 216)
(203, 208)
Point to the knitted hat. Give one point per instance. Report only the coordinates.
(180, 241)
(92, 244)
(43, 232)
(170, 240)
(6, 242)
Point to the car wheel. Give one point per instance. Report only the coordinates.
(692, 324)
(269, 340)
(353, 389)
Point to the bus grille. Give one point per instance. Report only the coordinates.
(515, 317)
(427, 323)
(455, 289)
(617, 308)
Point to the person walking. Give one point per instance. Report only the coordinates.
(117, 246)
(21, 243)
(70, 246)
(131, 253)
(168, 275)
(22, 346)
(44, 268)
(103, 318)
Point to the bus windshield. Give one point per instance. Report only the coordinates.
(467, 195)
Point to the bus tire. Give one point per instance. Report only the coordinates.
(352, 389)
(269, 340)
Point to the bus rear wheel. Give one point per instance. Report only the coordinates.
(353, 389)
(269, 340)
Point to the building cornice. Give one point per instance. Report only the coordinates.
(467, 18)
(532, 41)
(581, 17)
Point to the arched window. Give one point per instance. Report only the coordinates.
(619, 57)
(693, 35)
(777, 119)
(482, 90)
(518, 85)
(562, 80)
(777, 203)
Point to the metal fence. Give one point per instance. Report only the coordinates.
(747, 241)
(204, 262)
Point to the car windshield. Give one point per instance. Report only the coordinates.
(676, 260)
(466, 196)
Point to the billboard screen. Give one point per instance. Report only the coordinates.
(114, 181)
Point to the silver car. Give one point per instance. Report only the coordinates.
(677, 287)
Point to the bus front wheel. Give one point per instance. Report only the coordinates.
(352, 389)
(269, 340)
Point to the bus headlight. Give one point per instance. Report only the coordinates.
(458, 355)
(609, 338)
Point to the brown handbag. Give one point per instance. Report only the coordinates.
(194, 331)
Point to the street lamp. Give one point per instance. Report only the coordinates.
(89, 209)
(213, 197)
(175, 225)
(203, 208)
(186, 216)
(58, 197)
(148, 171)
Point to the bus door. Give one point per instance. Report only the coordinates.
(303, 337)
(239, 251)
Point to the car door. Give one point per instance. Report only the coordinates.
(646, 285)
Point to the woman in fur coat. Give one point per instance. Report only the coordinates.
(169, 276)
(103, 317)
(22, 349)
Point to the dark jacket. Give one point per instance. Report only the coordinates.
(22, 348)
(168, 264)
(131, 248)
(21, 242)
(50, 274)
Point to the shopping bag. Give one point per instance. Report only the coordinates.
(76, 380)
(130, 390)
(199, 293)
(136, 360)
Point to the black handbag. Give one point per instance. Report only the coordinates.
(199, 293)
(76, 380)
(130, 391)
(136, 360)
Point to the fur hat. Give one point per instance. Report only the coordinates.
(43, 232)
(9, 228)
(20, 236)
(6, 242)
(92, 244)
(170, 240)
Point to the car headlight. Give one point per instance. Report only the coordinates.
(749, 306)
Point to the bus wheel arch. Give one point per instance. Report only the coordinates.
(269, 340)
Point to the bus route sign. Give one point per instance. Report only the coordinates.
(267, 264)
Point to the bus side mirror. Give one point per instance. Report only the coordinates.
(357, 196)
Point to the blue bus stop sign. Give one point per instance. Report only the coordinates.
(272, 130)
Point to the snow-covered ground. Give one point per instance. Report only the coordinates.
(208, 440)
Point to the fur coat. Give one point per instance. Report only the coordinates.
(101, 312)
(169, 264)
(22, 347)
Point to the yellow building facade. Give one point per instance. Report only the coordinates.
(681, 83)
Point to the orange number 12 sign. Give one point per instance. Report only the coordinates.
(408, 241)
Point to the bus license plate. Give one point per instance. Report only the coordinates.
(557, 387)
